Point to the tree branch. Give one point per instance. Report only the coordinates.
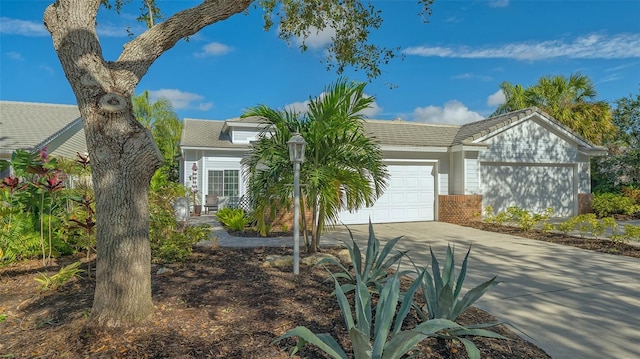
(142, 51)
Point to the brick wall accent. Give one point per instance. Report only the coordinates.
(286, 218)
(459, 209)
(584, 203)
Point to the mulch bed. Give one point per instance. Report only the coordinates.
(221, 304)
(599, 245)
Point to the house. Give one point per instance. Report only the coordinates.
(437, 172)
(33, 126)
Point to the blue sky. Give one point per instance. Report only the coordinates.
(451, 71)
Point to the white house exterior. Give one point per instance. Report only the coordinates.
(437, 172)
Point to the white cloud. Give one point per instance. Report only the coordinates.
(205, 106)
(592, 46)
(214, 49)
(299, 107)
(498, 3)
(107, 29)
(14, 55)
(471, 76)
(496, 99)
(453, 113)
(303, 106)
(48, 69)
(181, 99)
(317, 38)
(11, 26)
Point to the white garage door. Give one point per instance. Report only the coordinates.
(409, 197)
(533, 188)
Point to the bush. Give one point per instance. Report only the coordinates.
(233, 218)
(630, 233)
(607, 204)
(516, 216)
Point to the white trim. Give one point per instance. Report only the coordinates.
(233, 149)
(400, 161)
(413, 149)
(477, 147)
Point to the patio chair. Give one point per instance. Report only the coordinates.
(211, 201)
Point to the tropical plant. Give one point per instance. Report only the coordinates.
(343, 169)
(59, 279)
(441, 288)
(381, 335)
(569, 100)
(234, 218)
(374, 270)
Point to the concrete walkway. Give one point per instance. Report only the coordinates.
(572, 303)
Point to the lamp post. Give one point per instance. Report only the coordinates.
(296, 145)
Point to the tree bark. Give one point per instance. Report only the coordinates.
(123, 153)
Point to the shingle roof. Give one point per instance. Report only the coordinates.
(206, 133)
(202, 133)
(402, 133)
(27, 126)
(474, 130)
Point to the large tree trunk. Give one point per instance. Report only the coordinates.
(122, 168)
(123, 153)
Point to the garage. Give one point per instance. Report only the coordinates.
(409, 197)
(532, 187)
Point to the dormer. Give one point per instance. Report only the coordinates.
(244, 130)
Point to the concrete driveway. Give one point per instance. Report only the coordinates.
(573, 303)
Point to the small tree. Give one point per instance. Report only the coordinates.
(343, 168)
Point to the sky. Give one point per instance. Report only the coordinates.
(449, 71)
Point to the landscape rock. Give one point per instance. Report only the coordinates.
(344, 256)
(278, 261)
(164, 271)
(315, 258)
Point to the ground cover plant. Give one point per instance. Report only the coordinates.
(220, 303)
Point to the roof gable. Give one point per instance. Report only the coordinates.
(476, 132)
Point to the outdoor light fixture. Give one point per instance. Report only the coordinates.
(296, 145)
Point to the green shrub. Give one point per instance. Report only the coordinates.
(630, 233)
(59, 279)
(234, 218)
(441, 289)
(179, 245)
(568, 225)
(586, 223)
(607, 204)
(374, 271)
(603, 224)
(524, 219)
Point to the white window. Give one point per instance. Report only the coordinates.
(224, 183)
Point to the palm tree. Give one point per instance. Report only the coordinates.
(569, 100)
(161, 119)
(343, 167)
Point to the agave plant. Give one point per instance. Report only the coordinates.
(374, 270)
(380, 336)
(371, 336)
(441, 291)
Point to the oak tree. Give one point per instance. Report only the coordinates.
(123, 154)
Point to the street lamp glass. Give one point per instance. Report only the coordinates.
(297, 146)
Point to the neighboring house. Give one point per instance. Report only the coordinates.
(437, 172)
(32, 126)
